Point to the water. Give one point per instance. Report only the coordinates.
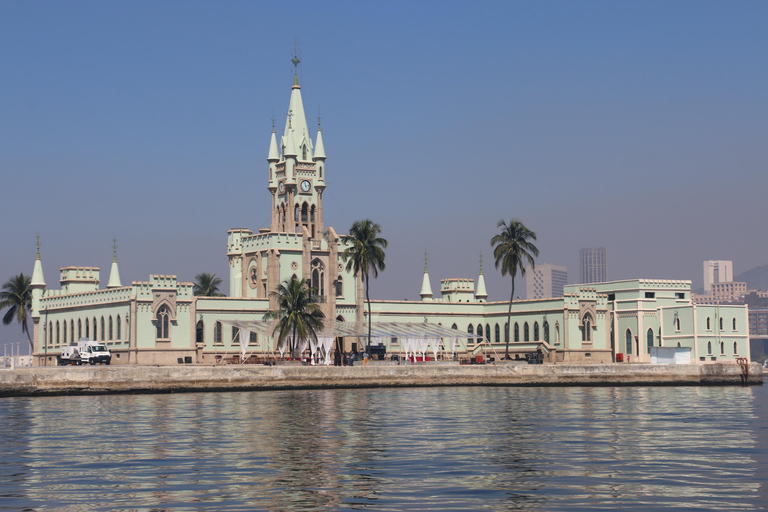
(473, 448)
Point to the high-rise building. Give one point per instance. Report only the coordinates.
(717, 271)
(545, 281)
(593, 265)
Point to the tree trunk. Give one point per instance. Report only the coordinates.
(509, 318)
(370, 320)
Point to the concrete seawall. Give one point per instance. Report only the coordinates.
(169, 379)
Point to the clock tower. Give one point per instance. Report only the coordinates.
(297, 171)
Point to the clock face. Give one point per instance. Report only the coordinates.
(306, 185)
(281, 187)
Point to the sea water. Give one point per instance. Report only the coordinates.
(448, 448)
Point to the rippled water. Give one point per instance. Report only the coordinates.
(468, 448)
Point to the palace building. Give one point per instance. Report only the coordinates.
(161, 321)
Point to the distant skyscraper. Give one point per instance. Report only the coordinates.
(545, 281)
(593, 265)
(717, 271)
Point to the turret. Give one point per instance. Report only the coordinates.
(426, 288)
(114, 273)
(481, 295)
(38, 283)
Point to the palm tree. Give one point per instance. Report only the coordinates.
(17, 297)
(298, 315)
(365, 256)
(207, 285)
(512, 248)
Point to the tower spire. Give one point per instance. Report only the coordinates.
(114, 273)
(426, 287)
(481, 294)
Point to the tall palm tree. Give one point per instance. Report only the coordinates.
(512, 248)
(299, 314)
(365, 256)
(207, 285)
(17, 297)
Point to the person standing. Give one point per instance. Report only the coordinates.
(365, 358)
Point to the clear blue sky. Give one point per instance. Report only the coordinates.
(638, 126)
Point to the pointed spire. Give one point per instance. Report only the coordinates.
(319, 147)
(37, 273)
(481, 294)
(296, 132)
(426, 287)
(114, 273)
(273, 154)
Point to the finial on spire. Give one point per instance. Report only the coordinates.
(37, 243)
(296, 60)
(481, 264)
(425, 260)
(318, 119)
(114, 248)
(273, 119)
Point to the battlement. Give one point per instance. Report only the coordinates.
(79, 279)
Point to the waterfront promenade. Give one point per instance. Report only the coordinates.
(163, 379)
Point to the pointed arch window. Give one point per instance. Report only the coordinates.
(57, 332)
(586, 329)
(111, 331)
(709, 324)
(162, 323)
(480, 331)
(722, 348)
(488, 332)
(649, 339)
(721, 323)
(340, 287)
(102, 329)
(526, 332)
(80, 328)
(709, 348)
(677, 323)
(64, 332)
(535, 331)
(304, 152)
(117, 327)
(318, 278)
(470, 330)
(199, 332)
(87, 329)
(217, 333)
(95, 330)
(506, 332)
(49, 334)
(517, 332)
(734, 323)
(546, 331)
(735, 348)
(497, 332)
(628, 341)
(72, 331)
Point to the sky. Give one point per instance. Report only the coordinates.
(636, 126)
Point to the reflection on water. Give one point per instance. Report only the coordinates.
(395, 449)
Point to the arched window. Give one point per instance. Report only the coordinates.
(535, 331)
(199, 332)
(57, 333)
(526, 332)
(111, 331)
(64, 332)
(586, 329)
(709, 324)
(80, 329)
(49, 341)
(628, 340)
(546, 331)
(87, 333)
(162, 322)
(678, 344)
(506, 332)
(318, 277)
(488, 332)
(517, 332)
(709, 347)
(470, 330)
(734, 323)
(649, 339)
(102, 329)
(722, 347)
(735, 348)
(95, 329)
(72, 331)
(677, 324)
(339, 287)
(217, 333)
(497, 331)
(303, 152)
(480, 331)
(117, 325)
(721, 323)
(304, 214)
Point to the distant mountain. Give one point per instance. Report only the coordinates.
(756, 278)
